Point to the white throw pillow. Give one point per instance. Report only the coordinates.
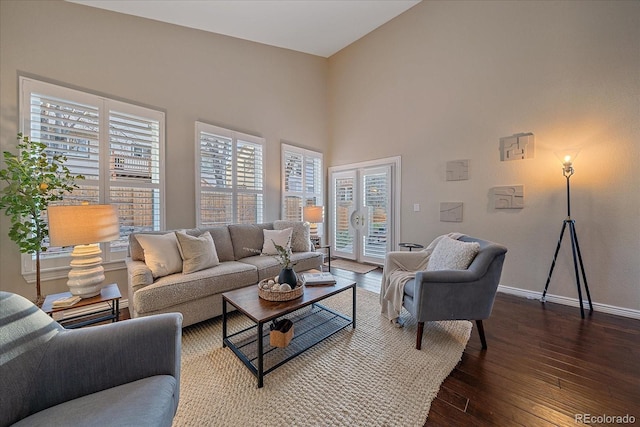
(161, 253)
(276, 237)
(197, 253)
(451, 254)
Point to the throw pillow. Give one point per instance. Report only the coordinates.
(197, 253)
(161, 253)
(301, 237)
(451, 254)
(276, 237)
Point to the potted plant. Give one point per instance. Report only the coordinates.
(33, 181)
(287, 275)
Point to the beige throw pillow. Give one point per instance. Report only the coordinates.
(161, 253)
(197, 253)
(300, 239)
(276, 237)
(451, 254)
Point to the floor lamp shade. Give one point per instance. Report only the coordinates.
(313, 215)
(84, 227)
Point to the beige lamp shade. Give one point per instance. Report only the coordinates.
(313, 214)
(82, 224)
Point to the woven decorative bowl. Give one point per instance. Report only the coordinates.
(279, 295)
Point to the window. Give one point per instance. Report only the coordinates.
(117, 146)
(302, 180)
(229, 177)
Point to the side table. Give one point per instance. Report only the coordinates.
(328, 248)
(410, 246)
(110, 294)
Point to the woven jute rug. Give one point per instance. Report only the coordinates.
(370, 376)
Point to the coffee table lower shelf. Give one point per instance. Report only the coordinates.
(312, 324)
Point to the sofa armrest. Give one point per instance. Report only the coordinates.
(83, 361)
(138, 275)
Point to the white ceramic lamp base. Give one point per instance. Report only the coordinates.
(313, 230)
(86, 276)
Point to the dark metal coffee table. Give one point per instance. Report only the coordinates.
(313, 323)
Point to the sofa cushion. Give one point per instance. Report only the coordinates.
(301, 236)
(146, 402)
(197, 253)
(161, 253)
(222, 240)
(276, 237)
(175, 289)
(247, 239)
(451, 254)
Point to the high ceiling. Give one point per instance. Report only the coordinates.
(318, 27)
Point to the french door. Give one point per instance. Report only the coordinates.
(363, 210)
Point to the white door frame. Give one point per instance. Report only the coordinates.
(396, 187)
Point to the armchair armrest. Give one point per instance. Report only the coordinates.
(83, 361)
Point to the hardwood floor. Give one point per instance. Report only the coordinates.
(544, 366)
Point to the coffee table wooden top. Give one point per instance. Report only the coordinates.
(259, 310)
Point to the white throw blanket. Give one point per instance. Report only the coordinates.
(399, 268)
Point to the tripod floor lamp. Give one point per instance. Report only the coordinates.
(567, 171)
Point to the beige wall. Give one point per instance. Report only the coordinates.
(443, 81)
(191, 75)
(446, 80)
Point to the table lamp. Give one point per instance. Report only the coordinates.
(313, 215)
(84, 226)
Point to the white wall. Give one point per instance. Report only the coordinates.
(191, 75)
(445, 80)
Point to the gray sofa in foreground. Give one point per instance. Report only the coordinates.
(198, 294)
(119, 374)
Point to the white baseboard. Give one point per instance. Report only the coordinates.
(573, 302)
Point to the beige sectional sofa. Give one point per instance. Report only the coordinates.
(157, 284)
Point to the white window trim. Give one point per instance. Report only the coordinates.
(234, 136)
(58, 267)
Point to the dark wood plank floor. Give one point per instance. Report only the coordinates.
(544, 366)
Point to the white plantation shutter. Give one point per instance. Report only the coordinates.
(302, 179)
(229, 177)
(376, 202)
(134, 171)
(116, 146)
(345, 201)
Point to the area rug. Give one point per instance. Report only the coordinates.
(370, 376)
(356, 267)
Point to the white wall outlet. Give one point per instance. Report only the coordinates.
(416, 207)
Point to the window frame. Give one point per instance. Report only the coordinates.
(56, 267)
(234, 189)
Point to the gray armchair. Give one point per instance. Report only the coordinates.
(121, 374)
(457, 294)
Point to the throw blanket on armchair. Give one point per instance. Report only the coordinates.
(399, 268)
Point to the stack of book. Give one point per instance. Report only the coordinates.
(317, 279)
(66, 301)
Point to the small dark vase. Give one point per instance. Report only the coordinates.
(287, 275)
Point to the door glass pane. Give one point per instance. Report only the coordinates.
(376, 204)
(344, 206)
